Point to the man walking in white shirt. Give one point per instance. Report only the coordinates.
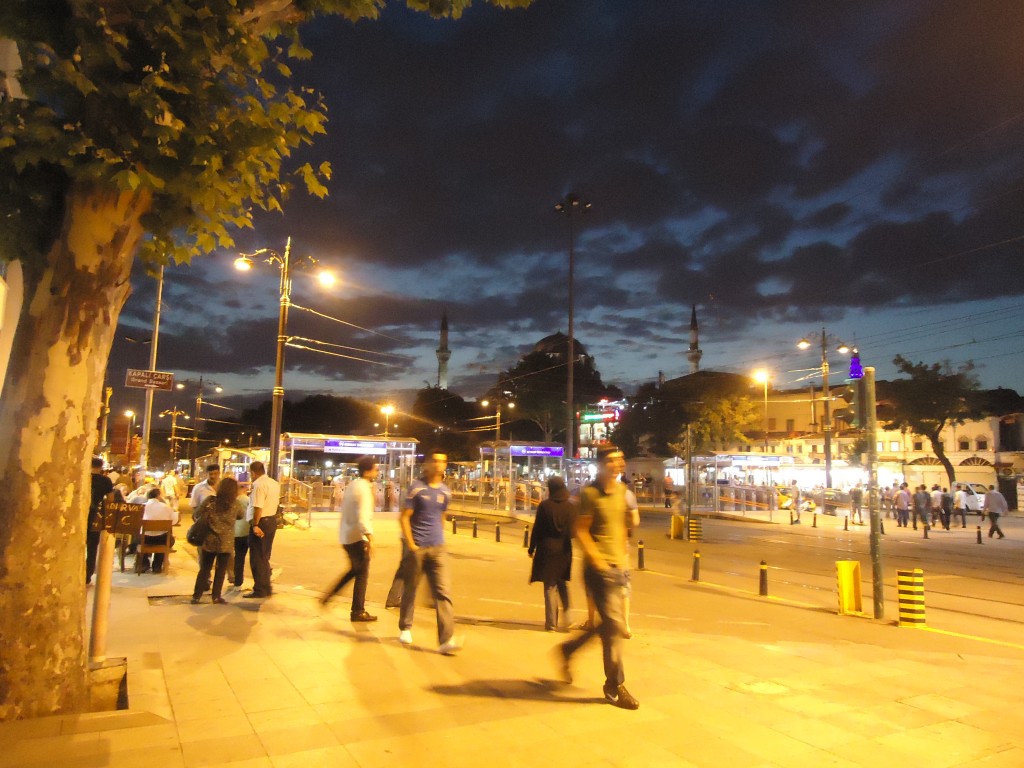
(357, 537)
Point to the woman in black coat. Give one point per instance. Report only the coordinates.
(551, 550)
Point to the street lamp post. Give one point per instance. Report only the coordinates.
(244, 263)
(199, 416)
(131, 428)
(174, 413)
(826, 418)
(571, 206)
(387, 410)
(762, 377)
(497, 438)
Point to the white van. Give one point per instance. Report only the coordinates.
(975, 495)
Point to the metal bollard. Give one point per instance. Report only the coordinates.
(881, 526)
(846, 523)
(640, 555)
(763, 587)
(526, 535)
(474, 527)
(814, 520)
(695, 575)
(791, 517)
(455, 525)
(979, 535)
(497, 531)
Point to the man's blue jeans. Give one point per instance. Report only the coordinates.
(431, 562)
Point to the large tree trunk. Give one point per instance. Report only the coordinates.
(940, 454)
(48, 413)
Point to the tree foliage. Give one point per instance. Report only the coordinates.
(152, 128)
(929, 399)
(719, 424)
(537, 384)
(438, 419)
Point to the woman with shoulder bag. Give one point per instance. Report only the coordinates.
(219, 511)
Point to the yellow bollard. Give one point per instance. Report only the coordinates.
(677, 528)
(911, 595)
(848, 585)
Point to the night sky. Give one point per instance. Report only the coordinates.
(781, 165)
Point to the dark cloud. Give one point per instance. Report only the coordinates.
(774, 163)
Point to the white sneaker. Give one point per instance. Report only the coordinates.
(405, 637)
(451, 647)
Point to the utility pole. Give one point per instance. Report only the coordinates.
(871, 435)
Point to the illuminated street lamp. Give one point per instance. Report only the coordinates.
(244, 263)
(200, 387)
(497, 437)
(826, 419)
(571, 206)
(387, 410)
(174, 413)
(762, 377)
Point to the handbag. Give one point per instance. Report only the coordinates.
(199, 530)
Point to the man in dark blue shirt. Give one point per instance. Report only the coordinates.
(423, 553)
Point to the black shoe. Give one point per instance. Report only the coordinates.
(254, 594)
(364, 616)
(194, 601)
(219, 600)
(562, 665)
(620, 697)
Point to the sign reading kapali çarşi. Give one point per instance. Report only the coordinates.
(148, 379)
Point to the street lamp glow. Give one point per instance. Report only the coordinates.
(243, 264)
(803, 344)
(761, 377)
(130, 414)
(326, 278)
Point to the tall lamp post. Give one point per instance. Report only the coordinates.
(826, 418)
(497, 437)
(131, 429)
(762, 377)
(244, 263)
(199, 415)
(174, 413)
(571, 206)
(387, 410)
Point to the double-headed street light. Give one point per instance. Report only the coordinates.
(826, 420)
(571, 206)
(200, 388)
(174, 413)
(497, 437)
(245, 263)
(131, 428)
(762, 377)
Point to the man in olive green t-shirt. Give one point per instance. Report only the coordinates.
(601, 531)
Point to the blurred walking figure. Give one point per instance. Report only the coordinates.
(922, 505)
(995, 505)
(551, 550)
(902, 502)
(357, 537)
(960, 505)
(601, 530)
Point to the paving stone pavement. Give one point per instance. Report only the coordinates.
(728, 680)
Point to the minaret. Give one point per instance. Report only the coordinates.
(695, 352)
(443, 354)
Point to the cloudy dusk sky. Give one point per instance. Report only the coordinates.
(783, 166)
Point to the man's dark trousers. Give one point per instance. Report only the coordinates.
(606, 587)
(360, 571)
(259, 556)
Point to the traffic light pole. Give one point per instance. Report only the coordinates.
(871, 436)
